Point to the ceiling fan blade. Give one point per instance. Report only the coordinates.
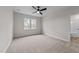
(43, 9)
(41, 13)
(34, 12)
(34, 7)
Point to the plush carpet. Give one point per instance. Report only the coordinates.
(42, 44)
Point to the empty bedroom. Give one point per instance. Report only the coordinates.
(39, 29)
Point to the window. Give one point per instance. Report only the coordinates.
(29, 24)
(33, 24)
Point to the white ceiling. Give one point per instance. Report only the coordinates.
(50, 10)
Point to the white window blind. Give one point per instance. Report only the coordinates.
(30, 24)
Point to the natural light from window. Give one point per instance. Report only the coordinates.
(29, 24)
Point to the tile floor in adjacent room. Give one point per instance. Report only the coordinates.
(42, 44)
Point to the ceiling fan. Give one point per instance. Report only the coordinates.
(38, 9)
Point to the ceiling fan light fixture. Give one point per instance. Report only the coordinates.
(37, 11)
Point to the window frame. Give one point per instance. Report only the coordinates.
(30, 24)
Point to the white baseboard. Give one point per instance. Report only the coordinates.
(74, 35)
(53, 36)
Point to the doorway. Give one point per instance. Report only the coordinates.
(75, 28)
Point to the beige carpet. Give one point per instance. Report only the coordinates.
(42, 44)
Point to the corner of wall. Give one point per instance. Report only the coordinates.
(5, 50)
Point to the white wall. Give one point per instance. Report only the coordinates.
(57, 26)
(19, 25)
(75, 25)
(6, 23)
